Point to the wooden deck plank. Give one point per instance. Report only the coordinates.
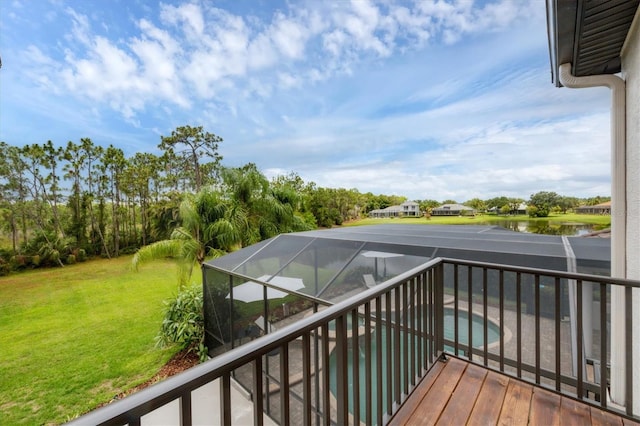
(486, 410)
(517, 403)
(437, 397)
(573, 413)
(459, 392)
(545, 408)
(415, 399)
(458, 408)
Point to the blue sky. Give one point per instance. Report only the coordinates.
(438, 100)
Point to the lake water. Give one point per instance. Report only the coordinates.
(544, 227)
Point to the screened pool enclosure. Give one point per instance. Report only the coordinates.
(284, 280)
(267, 286)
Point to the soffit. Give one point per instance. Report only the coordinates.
(588, 34)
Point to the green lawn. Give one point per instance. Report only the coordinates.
(72, 338)
(601, 221)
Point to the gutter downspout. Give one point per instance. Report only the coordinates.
(618, 216)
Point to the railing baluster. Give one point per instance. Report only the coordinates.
(306, 379)
(502, 325)
(379, 350)
(628, 294)
(258, 416)
(355, 370)
(285, 411)
(225, 402)
(579, 340)
(185, 409)
(404, 346)
(519, 324)
(419, 324)
(604, 336)
(326, 377)
(396, 346)
(485, 322)
(557, 332)
(412, 330)
(439, 308)
(537, 322)
(429, 315)
(367, 363)
(389, 351)
(456, 314)
(342, 394)
(470, 314)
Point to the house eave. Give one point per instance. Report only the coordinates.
(589, 35)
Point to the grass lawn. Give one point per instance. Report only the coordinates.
(73, 337)
(600, 221)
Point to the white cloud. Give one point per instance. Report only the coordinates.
(434, 99)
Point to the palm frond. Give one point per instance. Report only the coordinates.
(155, 251)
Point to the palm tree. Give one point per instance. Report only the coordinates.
(205, 232)
(258, 210)
(212, 222)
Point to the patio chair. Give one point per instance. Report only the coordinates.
(369, 280)
(260, 323)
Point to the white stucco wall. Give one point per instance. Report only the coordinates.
(631, 74)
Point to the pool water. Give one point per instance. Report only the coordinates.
(449, 323)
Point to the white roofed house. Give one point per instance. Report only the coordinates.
(453, 210)
(410, 208)
(406, 209)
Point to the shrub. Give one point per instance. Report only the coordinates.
(71, 259)
(5, 268)
(19, 262)
(35, 260)
(183, 322)
(82, 255)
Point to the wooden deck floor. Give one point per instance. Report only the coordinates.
(456, 392)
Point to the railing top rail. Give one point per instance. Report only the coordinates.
(537, 271)
(172, 388)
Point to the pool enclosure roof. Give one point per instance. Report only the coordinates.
(334, 264)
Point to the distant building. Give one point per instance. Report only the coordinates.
(406, 209)
(602, 208)
(522, 209)
(453, 210)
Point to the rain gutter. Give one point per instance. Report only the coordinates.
(618, 213)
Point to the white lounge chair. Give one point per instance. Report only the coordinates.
(369, 280)
(260, 323)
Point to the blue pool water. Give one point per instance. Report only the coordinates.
(449, 327)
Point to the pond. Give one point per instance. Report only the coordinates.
(546, 227)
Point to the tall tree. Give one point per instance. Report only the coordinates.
(542, 202)
(75, 160)
(194, 143)
(13, 192)
(115, 163)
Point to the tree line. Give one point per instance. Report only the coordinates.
(62, 204)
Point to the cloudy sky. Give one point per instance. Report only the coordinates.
(426, 99)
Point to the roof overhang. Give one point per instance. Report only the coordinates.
(588, 34)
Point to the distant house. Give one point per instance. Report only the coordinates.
(522, 209)
(453, 210)
(408, 209)
(602, 208)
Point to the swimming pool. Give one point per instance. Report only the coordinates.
(493, 332)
